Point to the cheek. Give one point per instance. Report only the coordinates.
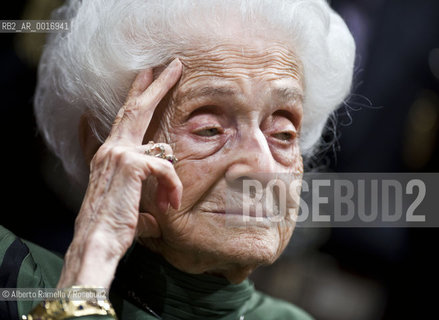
(197, 177)
(297, 165)
(190, 148)
(288, 157)
(284, 237)
(288, 160)
(198, 167)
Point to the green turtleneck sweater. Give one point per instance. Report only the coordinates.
(143, 282)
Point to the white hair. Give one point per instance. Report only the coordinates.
(89, 69)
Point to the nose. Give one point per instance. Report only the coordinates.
(250, 158)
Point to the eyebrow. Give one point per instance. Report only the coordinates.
(289, 94)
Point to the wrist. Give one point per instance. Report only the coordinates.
(91, 261)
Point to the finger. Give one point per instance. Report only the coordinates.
(162, 199)
(133, 164)
(168, 180)
(141, 82)
(162, 170)
(138, 110)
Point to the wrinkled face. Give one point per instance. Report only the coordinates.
(235, 112)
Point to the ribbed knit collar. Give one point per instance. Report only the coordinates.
(147, 278)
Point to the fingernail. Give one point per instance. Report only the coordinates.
(175, 64)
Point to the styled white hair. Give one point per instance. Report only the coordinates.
(89, 69)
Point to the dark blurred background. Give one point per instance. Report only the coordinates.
(389, 124)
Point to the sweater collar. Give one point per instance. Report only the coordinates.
(150, 282)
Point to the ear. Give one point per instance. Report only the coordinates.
(87, 140)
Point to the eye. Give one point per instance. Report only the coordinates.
(284, 136)
(208, 132)
(280, 128)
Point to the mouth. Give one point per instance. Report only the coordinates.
(239, 217)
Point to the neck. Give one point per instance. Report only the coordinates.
(171, 292)
(210, 264)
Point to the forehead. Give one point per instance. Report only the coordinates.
(235, 63)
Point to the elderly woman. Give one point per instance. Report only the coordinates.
(171, 104)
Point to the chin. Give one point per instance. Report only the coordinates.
(250, 248)
(211, 245)
(251, 242)
(234, 251)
